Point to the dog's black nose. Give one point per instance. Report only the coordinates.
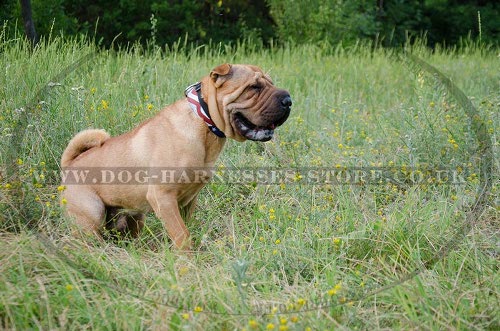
(286, 102)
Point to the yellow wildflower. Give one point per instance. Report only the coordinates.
(183, 270)
(104, 105)
(253, 324)
(297, 177)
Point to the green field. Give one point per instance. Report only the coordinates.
(411, 254)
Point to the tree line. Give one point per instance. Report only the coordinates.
(385, 22)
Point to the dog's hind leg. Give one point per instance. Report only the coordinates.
(86, 208)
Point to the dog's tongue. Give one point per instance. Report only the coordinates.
(273, 126)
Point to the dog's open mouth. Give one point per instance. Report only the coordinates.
(251, 131)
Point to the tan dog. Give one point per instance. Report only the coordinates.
(234, 101)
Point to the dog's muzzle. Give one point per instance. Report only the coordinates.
(273, 118)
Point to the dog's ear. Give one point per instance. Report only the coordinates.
(220, 73)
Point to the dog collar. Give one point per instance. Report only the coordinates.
(200, 107)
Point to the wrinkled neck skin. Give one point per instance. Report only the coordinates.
(218, 107)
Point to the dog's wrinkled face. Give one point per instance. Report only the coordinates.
(255, 107)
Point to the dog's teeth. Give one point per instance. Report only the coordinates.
(255, 133)
(259, 134)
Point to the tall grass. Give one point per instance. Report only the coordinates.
(289, 256)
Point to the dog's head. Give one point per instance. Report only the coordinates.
(244, 103)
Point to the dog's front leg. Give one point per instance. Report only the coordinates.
(188, 210)
(166, 207)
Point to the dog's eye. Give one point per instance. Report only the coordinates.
(256, 87)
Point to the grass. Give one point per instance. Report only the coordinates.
(290, 256)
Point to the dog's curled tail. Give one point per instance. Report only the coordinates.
(82, 142)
